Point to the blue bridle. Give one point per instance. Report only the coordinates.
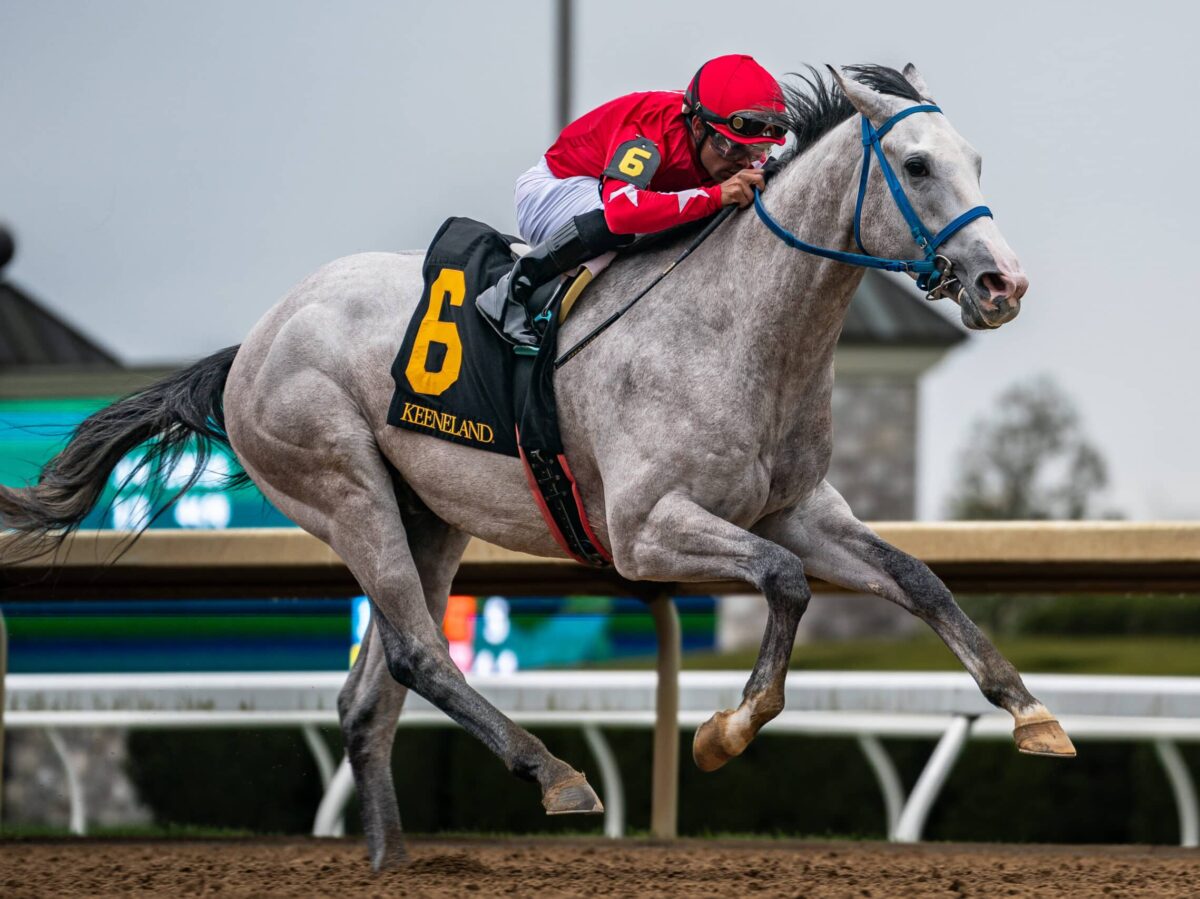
(928, 270)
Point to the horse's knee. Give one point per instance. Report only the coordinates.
(783, 582)
(783, 576)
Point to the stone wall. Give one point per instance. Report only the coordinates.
(875, 446)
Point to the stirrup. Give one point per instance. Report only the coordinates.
(507, 317)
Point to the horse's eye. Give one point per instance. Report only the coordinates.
(916, 167)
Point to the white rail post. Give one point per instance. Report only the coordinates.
(888, 779)
(331, 811)
(929, 784)
(664, 803)
(610, 780)
(325, 767)
(1184, 790)
(74, 787)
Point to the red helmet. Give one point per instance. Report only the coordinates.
(737, 97)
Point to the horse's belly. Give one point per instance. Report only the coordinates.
(484, 494)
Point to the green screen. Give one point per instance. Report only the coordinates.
(33, 430)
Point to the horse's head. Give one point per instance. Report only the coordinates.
(939, 173)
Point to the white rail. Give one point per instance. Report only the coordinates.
(867, 705)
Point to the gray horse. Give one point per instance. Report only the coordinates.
(698, 429)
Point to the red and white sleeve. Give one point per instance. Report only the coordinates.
(629, 209)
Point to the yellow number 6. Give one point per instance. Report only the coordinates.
(449, 283)
(631, 163)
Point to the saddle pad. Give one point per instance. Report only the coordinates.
(454, 378)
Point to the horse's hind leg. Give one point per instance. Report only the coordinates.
(368, 706)
(370, 700)
(318, 462)
(838, 547)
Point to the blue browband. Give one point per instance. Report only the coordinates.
(927, 269)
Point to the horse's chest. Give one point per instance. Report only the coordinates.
(799, 461)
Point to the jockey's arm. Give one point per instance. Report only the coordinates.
(629, 209)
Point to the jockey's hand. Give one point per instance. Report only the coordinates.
(739, 190)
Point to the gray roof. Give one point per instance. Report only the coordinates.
(31, 336)
(883, 313)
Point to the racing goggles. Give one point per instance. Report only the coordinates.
(735, 152)
(743, 124)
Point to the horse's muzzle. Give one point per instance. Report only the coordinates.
(995, 299)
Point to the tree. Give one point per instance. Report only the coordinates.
(1030, 460)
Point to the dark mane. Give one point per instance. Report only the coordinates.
(816, 106)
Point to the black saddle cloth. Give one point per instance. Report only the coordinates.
(454, 376)
(455, 379)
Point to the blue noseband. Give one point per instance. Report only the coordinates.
(929, 273)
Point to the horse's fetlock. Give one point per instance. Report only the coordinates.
(1004, 694)
(530, 760)
(767, 706)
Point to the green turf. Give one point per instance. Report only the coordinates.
(148, 627)
(1064, 655)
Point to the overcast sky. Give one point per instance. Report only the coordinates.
(170, 168)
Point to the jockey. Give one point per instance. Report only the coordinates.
(639, 164)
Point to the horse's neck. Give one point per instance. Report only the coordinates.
(795, 303)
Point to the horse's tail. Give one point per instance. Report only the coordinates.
(180, 412)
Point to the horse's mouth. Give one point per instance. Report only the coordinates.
(975, 318)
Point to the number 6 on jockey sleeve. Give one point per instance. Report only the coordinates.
(449, 283)
(634, 162)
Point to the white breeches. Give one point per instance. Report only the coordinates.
(545, 203)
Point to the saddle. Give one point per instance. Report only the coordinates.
(457, 380)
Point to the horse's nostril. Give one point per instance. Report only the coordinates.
(998, 287)
(994, 284)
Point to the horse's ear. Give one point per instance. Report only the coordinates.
(865, 100)
(914, 78)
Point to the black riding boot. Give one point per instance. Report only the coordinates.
(504, 306)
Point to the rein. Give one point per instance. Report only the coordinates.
(933, 269)
(612, 319)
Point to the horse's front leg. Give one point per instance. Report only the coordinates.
(680, 541)
(838, 548)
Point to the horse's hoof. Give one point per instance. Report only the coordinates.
(713, 744)
(1045, 737)
(572, 796)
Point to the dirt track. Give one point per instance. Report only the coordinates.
(298, 867)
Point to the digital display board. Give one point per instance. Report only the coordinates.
(34, 430)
